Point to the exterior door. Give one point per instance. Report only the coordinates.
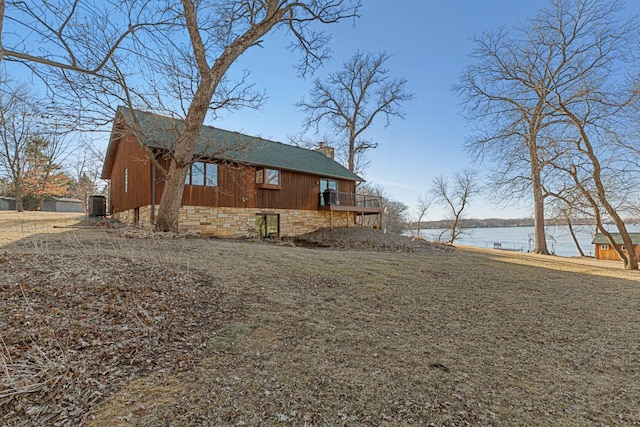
(327, 184)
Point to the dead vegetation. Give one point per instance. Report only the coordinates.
(74, 329)
(109, 331)
(368, 239)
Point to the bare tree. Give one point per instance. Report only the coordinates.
(392, 216)
(504, 95)
(519, 83)
(169, 56)
(351, 99)
(18, 127)
(58, 34)
(588, 177)
(592, 45)
(454, 198)
(424, 204)
(236, 27)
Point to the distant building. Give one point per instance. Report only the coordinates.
(605, 251)
(63, 204)
(7, 203)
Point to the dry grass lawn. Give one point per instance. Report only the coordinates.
(16, 225)
(320, 337)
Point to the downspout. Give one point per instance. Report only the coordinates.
(153, 193)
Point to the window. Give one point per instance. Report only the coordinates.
(268, 176)
(331, 196)
(268, 225)
(203, 174)
(328, 183)
(197, 173)
(605, 247)
(126, 180)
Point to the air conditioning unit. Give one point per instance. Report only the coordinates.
(97, 205)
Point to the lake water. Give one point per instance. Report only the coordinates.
(559, 239)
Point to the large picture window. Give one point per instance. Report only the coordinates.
(268, 176)
(268, 225)
(203, 174)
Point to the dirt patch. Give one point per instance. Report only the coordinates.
(368, 239)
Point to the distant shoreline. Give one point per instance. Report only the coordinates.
(504, 223)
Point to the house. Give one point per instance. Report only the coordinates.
(62, 204)
(238, 185)
(605, 251)
(7, 203)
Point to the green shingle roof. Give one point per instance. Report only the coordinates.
(161, 132)
(601, 239)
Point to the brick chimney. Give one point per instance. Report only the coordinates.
(325, 149)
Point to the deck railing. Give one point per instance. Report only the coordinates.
(330, 198)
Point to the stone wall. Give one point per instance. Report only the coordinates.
(241, 222)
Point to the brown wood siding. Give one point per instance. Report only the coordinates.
(297, 191)
(234, 190)
(133, 158)
(610, 254)
(236, 185)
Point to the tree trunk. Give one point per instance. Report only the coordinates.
(454, 229)
(18, 194)
(351, 163)
(169, 208)
(631, 258)
(573, 234)
(540, 246)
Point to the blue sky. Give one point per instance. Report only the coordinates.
(429, 42)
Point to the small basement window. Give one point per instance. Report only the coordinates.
(268, 225)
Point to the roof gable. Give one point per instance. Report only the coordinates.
(161, 132)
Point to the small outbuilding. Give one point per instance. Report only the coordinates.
(7, 203)
(605, 251)
(63, 204)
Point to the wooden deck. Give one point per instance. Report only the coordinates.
(350, 202)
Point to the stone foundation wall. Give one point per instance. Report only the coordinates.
(125, 217)
(241, 222)
(129, 217)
